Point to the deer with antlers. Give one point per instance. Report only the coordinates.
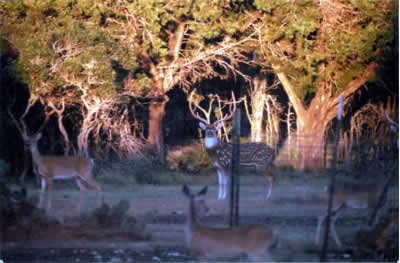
(257, 155)
(56, 167)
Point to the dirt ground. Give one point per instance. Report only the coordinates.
(291, 212)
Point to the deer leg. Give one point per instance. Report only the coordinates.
(333, 230)
(225, 183)
(270, 180)
(220, 179)
(317, 234)
(97, 187)
(82, 195)
(331, 226)
(42, 192)
(49, 193)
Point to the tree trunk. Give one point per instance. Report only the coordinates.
(156, 135)
(257, 108)
(312, 122)
(310, 140)
(5, 81)
(4, 154)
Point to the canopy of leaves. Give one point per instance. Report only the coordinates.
(96, 43)
(329, 41)
(60, 43)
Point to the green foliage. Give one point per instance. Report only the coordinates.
(62, 33)
(333, 43)
(342, 39)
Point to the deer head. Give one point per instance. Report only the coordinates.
(210, 129)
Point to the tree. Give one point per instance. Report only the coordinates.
(321, 50)
(82, 50)
(178, 43)
(261, 101)
(75, 49)
(68, 60)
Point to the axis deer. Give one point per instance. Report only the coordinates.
(255, 240)
(258, 155)
(351, 195)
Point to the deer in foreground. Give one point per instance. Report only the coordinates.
(258, 155)
(351, 195)
(57, 167)
(209, 243)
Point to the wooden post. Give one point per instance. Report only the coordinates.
(235, 166)
(332, 183)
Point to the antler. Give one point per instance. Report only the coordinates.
(20, 123)
(232, 109)
(192, 110)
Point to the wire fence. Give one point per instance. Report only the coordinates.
(367, 159)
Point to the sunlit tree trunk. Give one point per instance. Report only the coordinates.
(312, 122)
(257, 97)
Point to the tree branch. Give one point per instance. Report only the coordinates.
(175, 41)
(290, 90)
(352, 87)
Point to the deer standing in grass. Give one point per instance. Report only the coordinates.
(209, 243)
(258, 155)
(57, 167)
(63, 167)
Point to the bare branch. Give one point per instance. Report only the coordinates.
(61, 127)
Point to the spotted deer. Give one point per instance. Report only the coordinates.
(257, 155)
(255, 241)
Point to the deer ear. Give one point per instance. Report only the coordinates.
(203, 191)
(39, 135)
(25, 137)
(202, 126)
(186, 190)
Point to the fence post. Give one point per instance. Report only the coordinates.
(235, 166)
(332, 183)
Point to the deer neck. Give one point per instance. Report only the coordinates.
(35, 154)
(190, 221)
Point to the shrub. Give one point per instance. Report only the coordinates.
(189, 158)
